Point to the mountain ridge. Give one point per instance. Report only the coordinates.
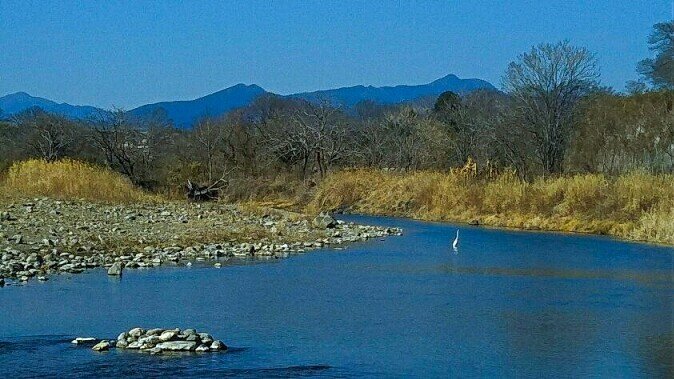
(184, 113)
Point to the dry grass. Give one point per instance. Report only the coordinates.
(68, 179)
(637, 206)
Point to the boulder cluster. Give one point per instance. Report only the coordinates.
(156, 341)
(45, 237)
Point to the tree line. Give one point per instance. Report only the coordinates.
(552, 116)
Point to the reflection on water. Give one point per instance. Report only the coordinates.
(505, 304)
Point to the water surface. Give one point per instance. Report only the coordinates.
(506, 304)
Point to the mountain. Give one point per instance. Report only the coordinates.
(186, 113)
(350, 96)
(18, 102)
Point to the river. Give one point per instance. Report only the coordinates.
(506, 304)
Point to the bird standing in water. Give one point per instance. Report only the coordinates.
(455, 244)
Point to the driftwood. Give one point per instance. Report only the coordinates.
(196, 192)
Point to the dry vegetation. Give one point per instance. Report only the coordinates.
(68, 179)
(637, 205)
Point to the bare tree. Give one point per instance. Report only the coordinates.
(546, 84)
(121, 142)
(47, 135)
(208, 136)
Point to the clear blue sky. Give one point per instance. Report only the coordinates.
(127, 53)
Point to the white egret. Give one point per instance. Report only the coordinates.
(455, 244)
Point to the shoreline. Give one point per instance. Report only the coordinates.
(467, 224)
(43, 237)
(636, 206)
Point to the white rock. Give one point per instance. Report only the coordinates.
(101, 346)
(177, 346)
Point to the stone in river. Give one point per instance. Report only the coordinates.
(168, 335)
(115, 269)
(136, 332)
(324, 221)
(205, 338)
(202, 349)
(135, 345)
(193, 337)
(154, 332)
(188, 332)
(218, 345)
(101, 346)
(178, 345)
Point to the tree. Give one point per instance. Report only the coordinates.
(546, 84)
(660, 70)
(121, 141)
(47, 135)
(208, 138)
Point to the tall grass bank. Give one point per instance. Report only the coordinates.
(637, 206)
(69, 179)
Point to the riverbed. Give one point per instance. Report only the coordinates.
(506, 303)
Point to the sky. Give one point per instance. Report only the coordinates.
(128, 53)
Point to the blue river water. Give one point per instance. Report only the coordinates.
(506, 304)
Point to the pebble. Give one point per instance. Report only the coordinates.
(40, 244)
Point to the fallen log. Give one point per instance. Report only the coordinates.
(195, 192)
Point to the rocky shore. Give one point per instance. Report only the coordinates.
(42, 237)
(156, 341)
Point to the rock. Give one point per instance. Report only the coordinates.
(202, 349)
(155, 350)
(474, 222)
(189, 332)
(177, 346)
(122, 344)
(83, 340)
(217, 345)
(150, 340)
(115, 269)
(154, 332)
(134, 345)
(136, 332)
(168, 335)
(122, 336)
(324, 221)
(101, 346)
(2, 282)
(193, 337)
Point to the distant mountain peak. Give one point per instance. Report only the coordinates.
(20, 101)
(185, 113)
(350, 96)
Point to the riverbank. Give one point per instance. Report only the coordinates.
(44, 236)
(636, 206)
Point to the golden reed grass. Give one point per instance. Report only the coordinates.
(637, 205)
(68, 179)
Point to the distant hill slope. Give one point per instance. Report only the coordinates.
(186, 113)
(350, 96)
(18, 102)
